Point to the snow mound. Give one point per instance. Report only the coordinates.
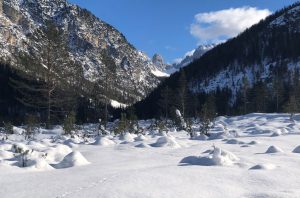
(57, 153)
(140, 138)
(253, 142)
(217, 157)
(223, 158)
(36, 145)
(142, 145)
(284, 131)
(39, 164)
(234, 141)
(76, 139)
(166, 141)
(6, 155)
(274, 149)
(18, 131)
(202, 137)
(297, 149)
(4, 147)
(103, 141)
(70, 143)
(73, 159)
(276, 133)
(127, 137)
(263, 167)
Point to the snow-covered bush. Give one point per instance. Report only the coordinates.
(189, 128)
(102, 129)
(21, 154)
(180, 122)
(162, 127)
(8, 128)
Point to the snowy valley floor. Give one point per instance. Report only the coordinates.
(164, 166)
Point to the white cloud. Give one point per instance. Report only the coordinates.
(220, 25)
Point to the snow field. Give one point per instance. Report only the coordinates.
(251, 164)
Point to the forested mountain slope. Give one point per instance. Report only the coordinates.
(256, 71)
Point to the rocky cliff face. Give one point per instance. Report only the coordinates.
(88, 37)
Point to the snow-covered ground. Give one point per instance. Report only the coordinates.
(247, 156)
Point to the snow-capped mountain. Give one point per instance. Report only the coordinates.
(88, 36)
(189, 57)
(161, 67)
(165, 70)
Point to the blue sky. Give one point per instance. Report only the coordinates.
(174, 27)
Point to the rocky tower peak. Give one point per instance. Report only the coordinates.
(158, 61)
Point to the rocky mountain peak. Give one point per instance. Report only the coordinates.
(88, 37)
(158, 61)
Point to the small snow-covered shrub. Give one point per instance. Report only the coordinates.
(162, 126)
(21, 154)
(222, 157)
(189, 128)
(179, 121)
(216, 157)
(101, 131)
(8, 128)
(205, 126)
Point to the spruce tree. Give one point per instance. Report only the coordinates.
(57, 75)
(207, 115)
(182, 91)
(245, 88)
(165, 101)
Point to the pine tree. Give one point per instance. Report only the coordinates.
(292, 107)
(57, 75)
(245, 88)
(182, 93)
(207, 115)
(122, 125)
(165, 101)
(103, 89)
(278, 89)
(261, 93)
(31, 122)
(69, 123)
